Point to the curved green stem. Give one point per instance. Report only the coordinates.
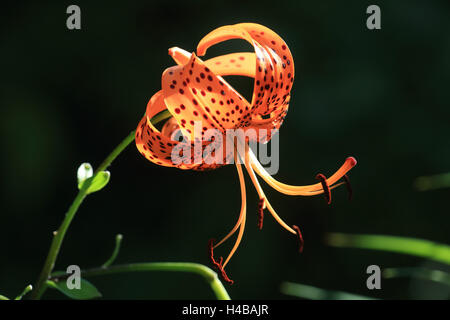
(24, 292)
(209, 275)
(113, 257)
(61, 232)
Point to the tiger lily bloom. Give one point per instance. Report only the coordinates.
(195, 91)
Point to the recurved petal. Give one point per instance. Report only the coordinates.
(274, 70)
(233, 64)
(193, 93)
(153, 145)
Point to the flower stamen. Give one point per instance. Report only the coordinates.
(300, 238)
(243, 211)
(248, 166)
(309, 190)
(325, 187)
(260, 213)
(349, 187)
(211, 251)
(240, 224)
(218, 265)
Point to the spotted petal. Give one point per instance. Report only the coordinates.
(274, 70)
(158, 146)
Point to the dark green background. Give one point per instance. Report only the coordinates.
(69, 97)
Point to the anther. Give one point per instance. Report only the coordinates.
(218, 265)
(223, 273)
(300, 238)
(211, 251)
(326, 188)
(260, 213)
(349, 187)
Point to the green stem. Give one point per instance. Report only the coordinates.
(24, 292)
(113, 257)
(209, 275)
(59, 235)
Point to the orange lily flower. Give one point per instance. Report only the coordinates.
(194, 90)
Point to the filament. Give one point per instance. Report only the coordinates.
(308, 190)
(243, 208)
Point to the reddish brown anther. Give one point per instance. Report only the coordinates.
(349, 187)
(260, 213)
(223, 274)
(300, 238)
(218, 265)
(326, 188)
(211, 251)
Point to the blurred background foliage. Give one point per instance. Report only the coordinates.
(68, 97)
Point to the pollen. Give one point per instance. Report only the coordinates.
(218, 265)
(349, 187)
(326, 188)
(300, 238)
(260, 214)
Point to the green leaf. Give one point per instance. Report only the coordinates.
(419, 273)
(99, 182)
(437, 181)
(314, 293)
(87, 290)
(3, 297)
(412, 246)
